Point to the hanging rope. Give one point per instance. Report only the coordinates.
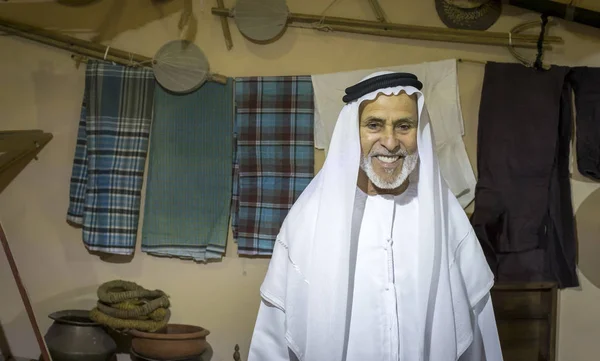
(320, 25)
(545, 24)
(540, 49)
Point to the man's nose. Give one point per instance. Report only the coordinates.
(390, 141)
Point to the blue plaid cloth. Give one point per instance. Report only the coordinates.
(274, 157)
(110, 156)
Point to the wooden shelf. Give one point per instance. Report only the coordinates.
(526, 317)
(548, 286)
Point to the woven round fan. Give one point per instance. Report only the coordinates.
(261, 20)
(181, 67)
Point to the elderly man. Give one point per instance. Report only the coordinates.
(376, 260)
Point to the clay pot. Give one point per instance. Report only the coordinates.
(175, 341)
(75, 337)
(206, 356)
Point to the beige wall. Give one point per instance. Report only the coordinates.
(41, 88)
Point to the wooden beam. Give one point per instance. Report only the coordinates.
(524, 286)
(71, 43)
(408, 34)
(225, 27)
(378, 10)
(555, 9)
(17, 149)
(414, 31)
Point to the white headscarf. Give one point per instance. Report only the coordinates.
(308, 277)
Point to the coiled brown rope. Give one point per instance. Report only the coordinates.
(155, 314)
(124, 325)
(119, 291)
(125, 305)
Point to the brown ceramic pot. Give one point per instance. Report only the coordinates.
(175, 341)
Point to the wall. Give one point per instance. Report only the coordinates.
(41, 88)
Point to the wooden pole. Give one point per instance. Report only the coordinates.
(379, 14)
(434, 37)
(74, 48)
(24, 297)
(225, 27)
(17, 149)
(69, 42)
(84, 48)
(332, 20)
(419, 32)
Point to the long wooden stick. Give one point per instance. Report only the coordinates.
(225, 27)
(24, 297)
(418, 32)
(17, 148)
(434, 37)
(333, 20)
(83, 47)
(70, 41)
(97, 51)
(378, 10)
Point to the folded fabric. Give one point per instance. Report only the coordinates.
(110, 155)
(188, 192)
(440, 87)
(274, 156)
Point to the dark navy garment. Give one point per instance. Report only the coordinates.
(523, 213)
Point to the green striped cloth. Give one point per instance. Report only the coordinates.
(188, 191)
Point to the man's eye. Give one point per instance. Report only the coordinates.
(373, 125)
(404, 127)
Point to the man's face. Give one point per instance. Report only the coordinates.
(388, 139)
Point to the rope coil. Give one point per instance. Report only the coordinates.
(124, 305)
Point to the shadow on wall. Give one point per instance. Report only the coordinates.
(4, 347)
(83, 298)
(106, 19)
(588, 229)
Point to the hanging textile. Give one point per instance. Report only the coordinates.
(440, 86)
(586, 85)
(523, 214)
(188, 192)
(274, 156)
(110, 155)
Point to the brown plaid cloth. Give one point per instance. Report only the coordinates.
(274, 156)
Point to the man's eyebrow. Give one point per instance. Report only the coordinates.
(373, 118)
(399, 120)
(405, 120)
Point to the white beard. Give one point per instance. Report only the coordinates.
(408, 165)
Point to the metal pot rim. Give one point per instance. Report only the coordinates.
(61, 317)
